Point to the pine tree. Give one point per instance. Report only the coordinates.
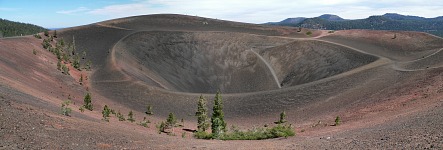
(337, 120)
(218, 124)
(88, 102)
(202, 114)
(171, 121)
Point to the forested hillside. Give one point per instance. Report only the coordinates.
(11, 28)
(384, 22)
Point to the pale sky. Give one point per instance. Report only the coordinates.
(67, 13)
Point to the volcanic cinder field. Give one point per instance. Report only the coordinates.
(385, 85)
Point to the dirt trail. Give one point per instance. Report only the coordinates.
(109, 26)
(269, 67)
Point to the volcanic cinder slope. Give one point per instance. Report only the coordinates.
(386, 90)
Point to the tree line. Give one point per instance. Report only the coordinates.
(11, 28)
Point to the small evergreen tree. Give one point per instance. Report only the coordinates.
(282, 118)
(218, 124)
(65, 69)
(131, 116)
(145, 122)
(59, 65)
(149, 110)
(202, 114)
(161, 127)
(120, 116)
(88, 102)
(82, 108)
(171, 121)
(76, 63)
(337, 121)
(55, 34)
(88, 65)
(46, 33)
(65, 110)
(106, 112)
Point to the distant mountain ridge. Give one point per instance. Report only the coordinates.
(11, 28)
(388, 21)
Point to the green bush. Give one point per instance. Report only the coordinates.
(120, 116)
(82, 108)
(259, 133)
(131, 116)
(282, 118)
(309, 33)
(171, 121)
(37, 36)
(65, 110)
(88, 102)
(161, 127)
(337, 121)
(65, 69)
(202, 135)
(251, 134)
(149, 110)
(144, 123)
(46, 44)
(106, 112)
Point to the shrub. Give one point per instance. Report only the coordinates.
(251, 134)
(88, 102)
(65, 69)
(131, 116)
(184, 135)
(259, 133)
(76, 63)
(59, 65)
(106, 112)
(88, 65)
(82, 108)
(37, 36)
(144, 123)
(46, 44)
(282, 118)
(120, 116)
(202, 135)
(171, 121)
(337, 120)
(34, 52)
(46, 33)
(161, 127)
(149, 110)
(65, 110)
(309, 33)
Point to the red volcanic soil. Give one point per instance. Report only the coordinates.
(387, 91)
